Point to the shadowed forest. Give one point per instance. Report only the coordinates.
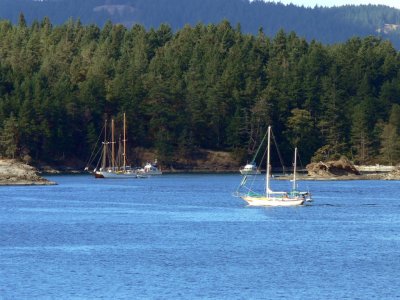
(201, 87)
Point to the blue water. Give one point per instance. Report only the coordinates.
(186, 237)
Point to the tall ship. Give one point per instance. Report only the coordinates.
(113, 164)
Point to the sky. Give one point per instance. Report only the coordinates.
(330, 3)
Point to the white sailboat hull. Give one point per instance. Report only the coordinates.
(116, 175)
(272, 201)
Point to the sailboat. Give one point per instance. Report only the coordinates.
(112, 166)
(270, 197)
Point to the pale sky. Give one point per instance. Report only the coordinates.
(330, 3)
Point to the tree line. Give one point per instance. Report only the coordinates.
(327, 25)
(202, 87)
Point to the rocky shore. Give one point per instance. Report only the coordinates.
(343, 169)
(14, 172)
(393, 175)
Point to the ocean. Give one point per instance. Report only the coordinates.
(184, 236)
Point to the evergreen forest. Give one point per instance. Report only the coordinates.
(201, 87)
(327, 25)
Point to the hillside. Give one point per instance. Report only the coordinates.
(327, 25)
(203, 87)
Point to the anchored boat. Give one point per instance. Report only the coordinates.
(250, 169)
(150, 169)
(269, 197)
(114, 165)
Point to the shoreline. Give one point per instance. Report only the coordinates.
(371, 176)
(45, 182)
(17, 173)
(27, 183)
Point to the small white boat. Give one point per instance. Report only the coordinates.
(149, 169)
(250, 169)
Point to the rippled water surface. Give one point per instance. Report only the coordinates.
(186, 237)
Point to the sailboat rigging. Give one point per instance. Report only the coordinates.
(294, 191)
(251, 168)
(268, 197)
(111, 166)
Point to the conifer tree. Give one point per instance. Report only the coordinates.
(9, 137)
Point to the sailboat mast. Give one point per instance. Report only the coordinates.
(268, 159)
(294, 168)
(112, 145)
(103, 164)
(124, 142)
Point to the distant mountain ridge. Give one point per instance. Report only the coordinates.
(327, 25)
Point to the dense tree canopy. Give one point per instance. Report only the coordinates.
(207, 86)
(327, 25)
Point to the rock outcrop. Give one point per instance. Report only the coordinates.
(393, 175)
(336, 168)
(13, 172)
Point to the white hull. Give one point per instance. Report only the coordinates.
(115, 175)
(250, 169)
(272, 201)
(246, 172)
(149, 173)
